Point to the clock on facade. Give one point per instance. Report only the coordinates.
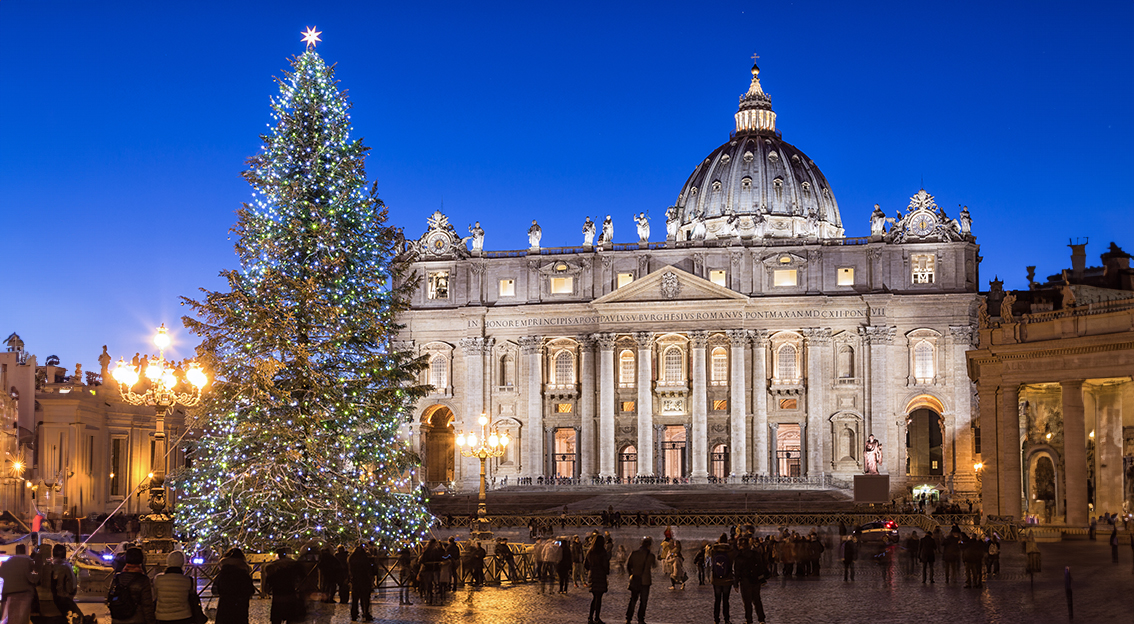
(922, 224)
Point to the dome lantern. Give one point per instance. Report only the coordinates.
(755, 113)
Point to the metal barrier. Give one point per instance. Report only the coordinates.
(923, 521)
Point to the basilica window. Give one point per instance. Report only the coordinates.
(924, 369)
(438, 285)
(624, 279)
(439, 373)
(787, 364)
(846, 276)
(562, 285)
(785, 277)
(924, 268)
(507, 288)
(846, 362)
(719, 277)
(720, 367)
(674, 365)
(564, 368)
(626, 369)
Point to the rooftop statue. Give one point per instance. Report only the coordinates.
(477, 237)
(588, 232)
(607, 235)
(877, 221)
(534, 234)
(643, 223)
(672, 223)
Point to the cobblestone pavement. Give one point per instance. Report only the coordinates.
(881, 594)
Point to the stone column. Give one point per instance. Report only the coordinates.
(773, 441)
(1074, 452)
(1008, 451)
(474, 348)
(700, 434)
(816, 341)
(607, 450)
(645, 404)
(737, 403)
(880, 338)
(531, 347)
(961, 443)
(586, 406)
(760, 398)
(1108, 448)
(990, 479)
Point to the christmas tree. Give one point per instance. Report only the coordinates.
(301, 436)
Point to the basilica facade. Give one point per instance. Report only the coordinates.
(756, 342)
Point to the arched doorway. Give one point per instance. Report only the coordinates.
(628, 462)
(438, 445)
(719, 461)
(789, 450)
(1044, 498)
(924, 438)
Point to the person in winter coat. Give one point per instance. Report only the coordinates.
(361, 582)
(720, 563)
(329, 574)
(234, 588)
(597, 564)
(135, 581)
(951, 555)
(973, 551)
(850, 553)
(699, 563)
(57, 586)
(675, 563)
(341, 556)
(578, 574)
(639, 566)
(751, 570)
(282, 578)
(563, 565)
(175, 594)
(927, 552)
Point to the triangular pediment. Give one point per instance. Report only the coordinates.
(670, 284)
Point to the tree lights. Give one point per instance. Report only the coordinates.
(302, 435)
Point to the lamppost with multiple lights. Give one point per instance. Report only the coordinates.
(490, 444)
(161, 393)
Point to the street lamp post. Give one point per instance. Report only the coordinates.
(490, 444)
(162, 394)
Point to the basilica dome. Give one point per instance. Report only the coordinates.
(757, 185)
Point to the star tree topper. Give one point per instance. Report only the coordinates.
(311, 37)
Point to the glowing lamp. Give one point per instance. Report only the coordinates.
(504, 440)
(196, 376)
(168, 379)
(978, 466)
(162, 338)
(483, 420)
(493, 440)
(154, 370)
(460, 439)
(471, 439)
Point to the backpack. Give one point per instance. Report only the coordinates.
(720, 565)
(121, 600)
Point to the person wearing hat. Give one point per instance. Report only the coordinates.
(234, 588)
(175, 594)
(133, 579)
(282, 578)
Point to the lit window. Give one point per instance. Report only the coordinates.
(789, 404)
(786, 365)
(718, 277)
(924, 266)
(923, 362)
(674, 361)
(439, 373)
(624, 279)
(564, 368)
(438, 285)
(626, 369)
(627, 406)
(720, 366)
(720, 405)
(562, 285)
(846, 276)
(507, 288)
(784, 277)
(563, 408)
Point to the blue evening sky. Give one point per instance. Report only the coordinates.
(124, 127)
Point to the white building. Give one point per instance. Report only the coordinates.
(755, 341)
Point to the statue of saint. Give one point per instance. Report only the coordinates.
(77, 378)
(759, 222)
(1006, 308)
(877, 221)
(672, 222)
(699, 229)
(872, 455)
(607, 235)
(643, 223)
(104, 360)
(534, 234)
(477, 237)
(588, 232)
(966, 221)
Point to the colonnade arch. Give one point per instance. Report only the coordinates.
(438, 445)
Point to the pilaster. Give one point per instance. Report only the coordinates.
(700, 433)
(645, 403)
(816, 342)
(737, 399)
(760, 398)
(586, 406)
(607, 450)
(531, 348)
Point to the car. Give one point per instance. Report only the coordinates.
(884, 531)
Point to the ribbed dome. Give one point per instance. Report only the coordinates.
(757, 185)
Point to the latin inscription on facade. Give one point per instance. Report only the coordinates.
(670, 317)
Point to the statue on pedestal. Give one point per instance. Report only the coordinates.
(699, 229)
(966, 221)
(477, 237)
(877, 221)
(672, 223)
(607, 235)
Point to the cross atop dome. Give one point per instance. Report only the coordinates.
(755, 114)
